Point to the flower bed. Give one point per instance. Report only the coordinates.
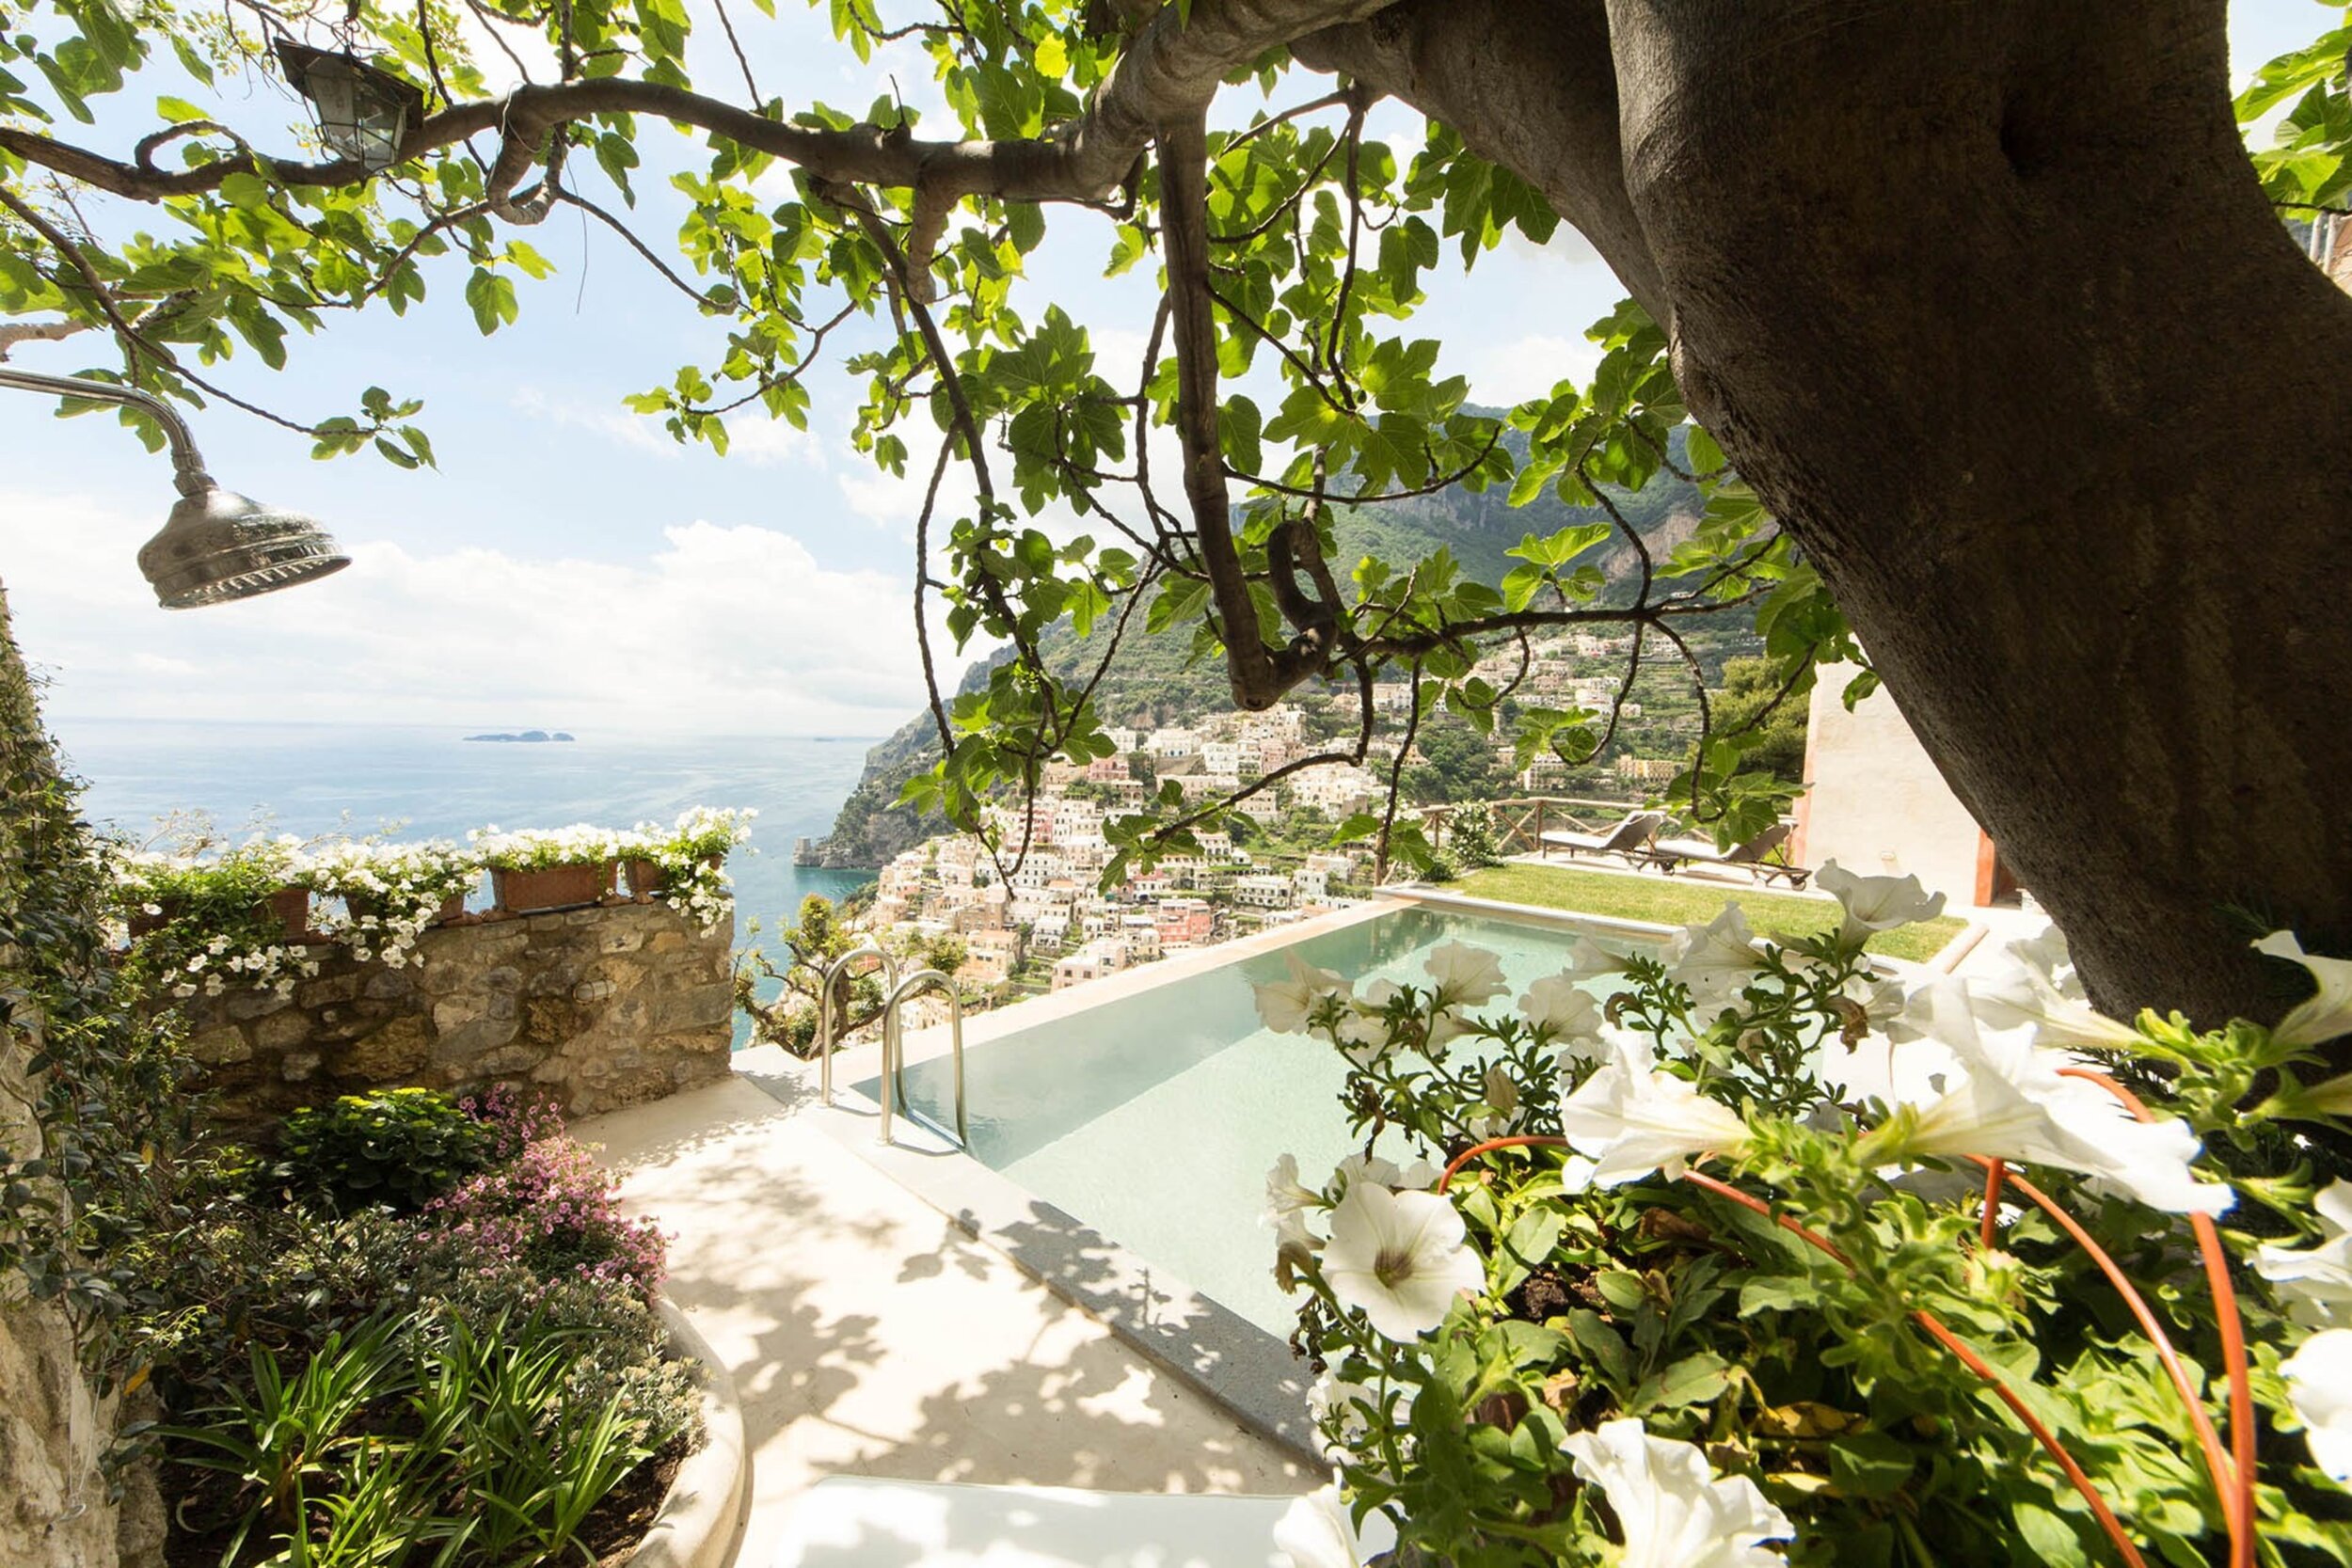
(199, 918)
(1762, 1256)
(465, 1372)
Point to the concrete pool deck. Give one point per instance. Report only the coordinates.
(868, 1335)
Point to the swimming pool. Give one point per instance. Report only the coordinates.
(1152, 1118)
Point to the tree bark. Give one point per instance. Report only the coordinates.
(1985, 301)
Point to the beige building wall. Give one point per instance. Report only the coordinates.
(1874, 802)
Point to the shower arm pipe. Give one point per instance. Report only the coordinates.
(832, 977)
(187, 463)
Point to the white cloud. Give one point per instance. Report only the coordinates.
(893, 501)
(766, 443)
(729, 629)
(1530, 366)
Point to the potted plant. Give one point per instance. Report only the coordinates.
(392, 893)
(559, 869)
(682, 864)
(1693, 1248)
(200, 921)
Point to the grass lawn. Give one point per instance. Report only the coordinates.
(1672, 902)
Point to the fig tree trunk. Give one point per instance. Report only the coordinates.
(1985, 299)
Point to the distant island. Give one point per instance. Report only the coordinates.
(525, 736)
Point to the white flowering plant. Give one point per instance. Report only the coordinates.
(545, 849)
(197, 923)
(386, 895)
(1741, 1252)
(691, 855)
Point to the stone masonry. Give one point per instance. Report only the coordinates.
(603, 1007)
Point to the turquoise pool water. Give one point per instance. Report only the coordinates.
(1154, 1118)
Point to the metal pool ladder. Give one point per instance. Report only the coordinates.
(893, 1090)
(833, 972)
(894, 1051)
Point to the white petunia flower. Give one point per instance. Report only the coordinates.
(1362, 1038)
(1591, 958)
(1555, 1003)
(2326, 1013)
(1631, 1120)
(1674, 1510)
(1715, 960)
(1400, 1258)
(1501, 1091)
(1285, 1194)
(2032, 983)
(2013, 1100)
(1352, 1406)
(2319, 1386)
(1418, 1176)
(1876, 903)
(1316, 1532)
(2316, 1280)
(1467, 976)
(1284, 1005)
(2332, 1098)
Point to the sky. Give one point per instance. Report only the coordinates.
(567, 565)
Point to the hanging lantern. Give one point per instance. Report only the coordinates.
(363, 113)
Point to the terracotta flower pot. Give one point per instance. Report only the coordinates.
(649, 876)
(291, 908)
(554, 887)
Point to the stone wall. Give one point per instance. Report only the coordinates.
(603, 1007)
(55, 1511)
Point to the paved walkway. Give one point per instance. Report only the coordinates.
(867, 1335)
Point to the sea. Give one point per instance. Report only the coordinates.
(414, 782)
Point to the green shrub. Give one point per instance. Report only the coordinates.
(1469, 838)
(421, 1437)
(398, 1146)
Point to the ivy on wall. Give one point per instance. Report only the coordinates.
(92, 1125)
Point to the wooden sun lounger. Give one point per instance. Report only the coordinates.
(1755, 857)
(1630, 838)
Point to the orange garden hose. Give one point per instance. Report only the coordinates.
(1928, 1320)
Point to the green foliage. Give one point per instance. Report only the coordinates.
(2306, 168)
(398, 1147)
(1454, 761)
(781, 1000)
(1469, 837)
(415, 1439)
(1322, 237)
(1764, 718)
(1798, 1366)
(92, 1160)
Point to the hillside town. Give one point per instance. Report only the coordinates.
(1051, 924)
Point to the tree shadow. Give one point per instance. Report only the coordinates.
(866, 1333)
(662, 1132)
